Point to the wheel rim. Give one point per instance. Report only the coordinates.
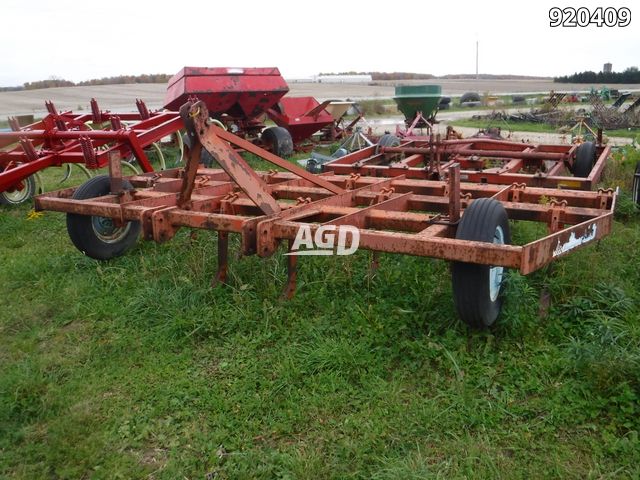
(635, 193)
(496, 273)
(106, 231)
(19, 196)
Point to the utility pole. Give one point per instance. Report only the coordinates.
(477, 76)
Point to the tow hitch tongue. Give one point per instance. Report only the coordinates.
(196, 120)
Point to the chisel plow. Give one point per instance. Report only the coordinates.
(462, 222)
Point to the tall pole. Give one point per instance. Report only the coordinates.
(477, 76)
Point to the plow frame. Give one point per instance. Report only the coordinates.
(481, 160)
(394, 214)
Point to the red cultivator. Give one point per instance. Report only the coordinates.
(466, 223)
(67, 138)
(481, 160)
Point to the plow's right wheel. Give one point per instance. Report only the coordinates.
(585, 159)
(100, 237)
(477, 288)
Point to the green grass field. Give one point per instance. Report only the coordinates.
(138, 368)
(536, 127)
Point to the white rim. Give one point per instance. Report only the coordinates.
(19, 196)
(496, 273)
(106, 231)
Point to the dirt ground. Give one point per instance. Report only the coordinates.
(122, 97)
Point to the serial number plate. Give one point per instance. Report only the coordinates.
(584, 17)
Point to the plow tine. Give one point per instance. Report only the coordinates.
(67, 173)
(223, 259)
(292, 274)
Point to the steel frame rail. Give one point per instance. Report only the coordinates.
(395, 214)
(481, 161)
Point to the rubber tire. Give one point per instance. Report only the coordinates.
(278, 140)
(80, 227)
(205, 157)
(635, 189)
(387, 140)
(470, 281)
(470, 97)
(29, 186)
(585, 159)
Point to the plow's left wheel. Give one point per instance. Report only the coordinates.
(17, 196)
(100, 237)
(477, 288)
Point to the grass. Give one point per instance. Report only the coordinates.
(535, 127)
(137, 368)
(380, 107)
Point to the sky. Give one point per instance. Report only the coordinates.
(80, 40)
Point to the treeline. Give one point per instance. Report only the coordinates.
(630, 75)
(53, 82)
(490, 76)
(388, 75)
(427, 76)
(128, 79)
(50, 83)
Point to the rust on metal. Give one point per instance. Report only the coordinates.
(481, 161)
(395, 210)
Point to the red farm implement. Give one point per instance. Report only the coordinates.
(241, 99)
(301, 116)
(86, 139)
(462, 222)
(236, 97)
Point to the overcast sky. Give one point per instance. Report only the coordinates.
(91, 39)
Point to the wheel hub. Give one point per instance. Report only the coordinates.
(106, 230)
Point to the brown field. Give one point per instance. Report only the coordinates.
(122, 97)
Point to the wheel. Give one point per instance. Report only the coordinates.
(585, 159)
(278, 140)
(16, 196)
(98, 237)
(470, 97)
(477, 288)
(205, 157)
(635, 192)
(387, 140)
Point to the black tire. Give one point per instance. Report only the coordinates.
(585, 159)
(470, 97)
(205, 157)
(16, 197)
(278, 140)
(635, 192)
(477, 288)
(387, 140)
(97, 237)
